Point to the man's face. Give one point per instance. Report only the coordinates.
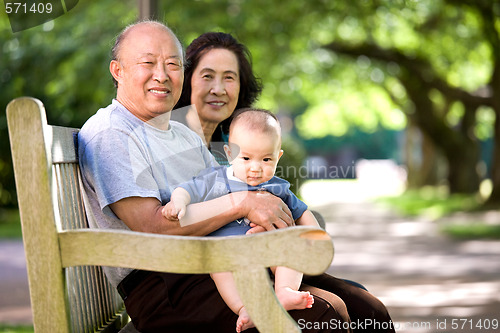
(149, 72)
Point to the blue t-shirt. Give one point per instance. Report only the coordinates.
(215, 182)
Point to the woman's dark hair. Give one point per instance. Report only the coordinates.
(250, 86)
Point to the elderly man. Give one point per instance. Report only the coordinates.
(132, 156)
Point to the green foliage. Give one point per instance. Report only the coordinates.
(290, 166)
(332, 93)
(64, 63)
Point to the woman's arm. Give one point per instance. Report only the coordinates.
(145, 214)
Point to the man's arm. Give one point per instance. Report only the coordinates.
(145, 214)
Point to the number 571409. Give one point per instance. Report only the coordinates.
(19, 7)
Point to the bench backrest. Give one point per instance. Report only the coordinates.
(75, 299)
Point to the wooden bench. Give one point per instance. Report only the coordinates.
(68, 290)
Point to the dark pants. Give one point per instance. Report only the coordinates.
(367, 313)
(166, 302)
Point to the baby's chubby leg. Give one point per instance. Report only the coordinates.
(227, 289)
(244, 322)
(287, 283)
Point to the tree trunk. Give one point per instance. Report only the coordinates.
(148, 10)
(460, 149)
(422, 159)
(494, 199)
(431, 163)
(462, 170)
(411, 156)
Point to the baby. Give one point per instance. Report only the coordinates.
(253, 150)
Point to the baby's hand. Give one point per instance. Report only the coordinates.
(255, 229)
(172, 212)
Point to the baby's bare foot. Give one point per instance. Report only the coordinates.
(294, 300)
(244, 322)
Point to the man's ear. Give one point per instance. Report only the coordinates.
(115, 69)
(227, 150)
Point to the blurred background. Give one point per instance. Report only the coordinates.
(392, 105)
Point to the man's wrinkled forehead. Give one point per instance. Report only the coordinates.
(134, 34)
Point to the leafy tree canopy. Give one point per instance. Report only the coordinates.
(65, 62)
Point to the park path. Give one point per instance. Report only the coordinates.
(429, 283)
(14, 294)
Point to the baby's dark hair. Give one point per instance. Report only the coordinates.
(256, 119)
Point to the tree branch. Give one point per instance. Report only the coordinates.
(486, 9)
(415, 66)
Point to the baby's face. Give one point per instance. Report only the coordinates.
(254, 155)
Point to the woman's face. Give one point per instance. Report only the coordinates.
(215, 85)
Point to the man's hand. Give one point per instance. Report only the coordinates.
(266, 210)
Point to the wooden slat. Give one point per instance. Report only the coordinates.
(260, 301)
(76, 309)
(94, 299)
(63, 146)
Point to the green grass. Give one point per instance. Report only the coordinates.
(10, 227)
(15, 329)
(432, 202)
(472, 230)
(435, 203)
(10, 224)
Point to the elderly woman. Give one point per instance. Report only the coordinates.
(218, 80)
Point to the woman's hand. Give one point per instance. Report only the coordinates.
(266, 210)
